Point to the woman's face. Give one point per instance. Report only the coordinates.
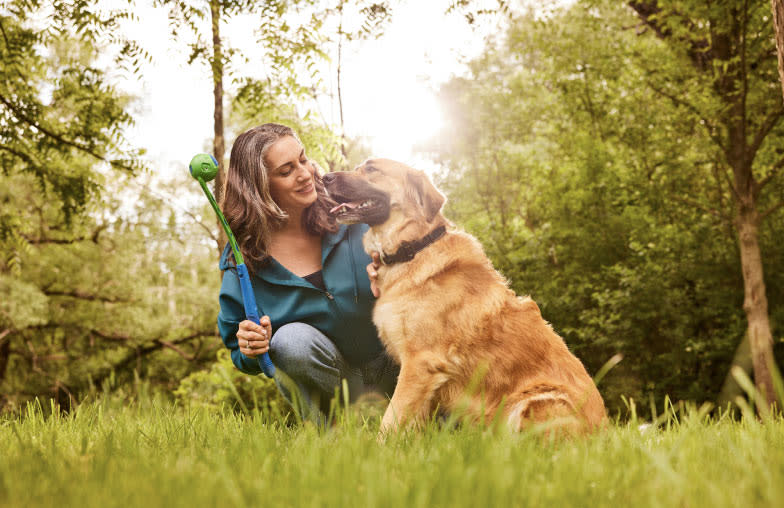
(290, 175)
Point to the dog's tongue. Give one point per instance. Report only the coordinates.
(341, 206)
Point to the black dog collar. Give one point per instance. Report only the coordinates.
(408, 250)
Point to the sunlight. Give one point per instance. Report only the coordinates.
(396, 126)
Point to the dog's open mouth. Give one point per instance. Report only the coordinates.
(370, 206)
(349, 207)
(369, 210)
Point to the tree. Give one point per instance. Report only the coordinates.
(728, 46)
(114, 292)
(75, 278)
(79, 113)
(603, 198)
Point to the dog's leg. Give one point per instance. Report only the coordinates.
(419, 380)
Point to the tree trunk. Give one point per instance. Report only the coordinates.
(218, 143)
(778, 25)
(755, 302)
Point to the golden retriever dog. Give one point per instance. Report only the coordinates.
(464, 341)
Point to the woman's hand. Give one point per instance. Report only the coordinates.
(254, 339)
(372, 271)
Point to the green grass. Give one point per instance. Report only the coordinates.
(155, 454)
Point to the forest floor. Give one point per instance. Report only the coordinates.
(153, 453)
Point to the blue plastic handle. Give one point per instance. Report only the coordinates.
(252, 313)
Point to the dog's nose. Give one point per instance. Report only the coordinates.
(329, 178)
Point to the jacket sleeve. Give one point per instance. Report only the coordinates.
(231, 313)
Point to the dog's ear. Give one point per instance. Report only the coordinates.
(424, 193)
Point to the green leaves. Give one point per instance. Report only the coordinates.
(58, 115)
(587, 152)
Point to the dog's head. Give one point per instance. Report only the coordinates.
(375, 188)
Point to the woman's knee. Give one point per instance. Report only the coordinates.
(296, 347)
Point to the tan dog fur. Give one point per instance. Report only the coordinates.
(447, 316)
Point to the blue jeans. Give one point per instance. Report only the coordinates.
(316, 369)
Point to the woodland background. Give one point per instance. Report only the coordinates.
(621, 162)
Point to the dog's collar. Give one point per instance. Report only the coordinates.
(408, 250)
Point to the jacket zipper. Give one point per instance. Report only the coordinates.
(353, 268)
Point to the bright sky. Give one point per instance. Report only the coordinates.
(387, 83)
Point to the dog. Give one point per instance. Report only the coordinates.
(464, 341)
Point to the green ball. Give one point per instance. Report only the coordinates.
(203, 167)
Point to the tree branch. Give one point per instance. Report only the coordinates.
(678, 101)
(773, 172)
(177, 350)
(731, 185)
(699, 49)
(146, 350)
(700, 206)
(81, 295)
(169, 201)
(767, 125)
(93, 237)
(60, 138)
(106, 336)
(771, 210)
(19, 154)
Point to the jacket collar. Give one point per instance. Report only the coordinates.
(329, 241)
(275, 272)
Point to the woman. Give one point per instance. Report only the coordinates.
(308, 276)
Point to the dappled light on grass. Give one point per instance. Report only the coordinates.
(153, 453)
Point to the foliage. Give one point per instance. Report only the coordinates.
(223, 386)
(286, 44)
(58, 110)
(605, 199)
(104, 296)
(153, 454)
(84, 285)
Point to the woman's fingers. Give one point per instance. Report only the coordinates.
(252, 338)
(372, 271)
(372, 268)
(253, 348)
(249, 326)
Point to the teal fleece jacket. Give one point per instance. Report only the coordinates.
(343, 312)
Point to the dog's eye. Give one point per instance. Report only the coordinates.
(370, 169)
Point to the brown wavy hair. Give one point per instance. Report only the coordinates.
(247, 203)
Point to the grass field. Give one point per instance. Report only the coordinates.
(155, 454)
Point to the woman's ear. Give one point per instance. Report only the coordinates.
(423, 192)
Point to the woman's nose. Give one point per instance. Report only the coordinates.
(303, 173)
